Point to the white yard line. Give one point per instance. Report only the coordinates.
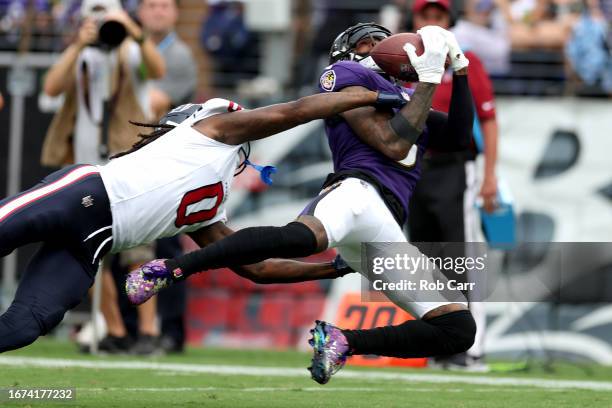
(307, 389)
(248, 389)
(300, 372)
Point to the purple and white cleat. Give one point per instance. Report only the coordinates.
(330, 351)
(143, 283)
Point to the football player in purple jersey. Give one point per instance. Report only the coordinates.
(376, 155)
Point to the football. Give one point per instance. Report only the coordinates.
(390, 56)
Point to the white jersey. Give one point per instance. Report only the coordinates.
(178, 183)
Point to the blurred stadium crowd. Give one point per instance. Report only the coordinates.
(546, 47)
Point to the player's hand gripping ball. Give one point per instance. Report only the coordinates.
(390, 56)
(458, 59)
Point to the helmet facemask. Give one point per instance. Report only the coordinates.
(343, 48)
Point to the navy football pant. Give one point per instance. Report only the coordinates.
(70, 213)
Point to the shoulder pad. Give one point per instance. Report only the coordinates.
(180, 113)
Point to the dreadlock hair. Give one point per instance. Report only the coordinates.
(160, 129)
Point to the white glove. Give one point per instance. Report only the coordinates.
(430, 65)
(458, 59)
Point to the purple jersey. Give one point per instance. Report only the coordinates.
(350, 153)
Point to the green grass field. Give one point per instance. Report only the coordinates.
(228, 378)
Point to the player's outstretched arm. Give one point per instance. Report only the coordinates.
(247, 125)
(272, 270)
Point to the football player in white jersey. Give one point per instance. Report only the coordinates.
(174, 180)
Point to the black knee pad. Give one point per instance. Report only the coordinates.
(459, 329)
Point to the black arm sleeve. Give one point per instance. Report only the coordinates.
(453, 132)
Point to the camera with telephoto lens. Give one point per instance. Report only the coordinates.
(110, 34)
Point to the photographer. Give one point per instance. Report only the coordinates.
(103, 76)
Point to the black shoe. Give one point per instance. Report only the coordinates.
(463, 362)
(170, 345)
(115, 345)
(147, 345)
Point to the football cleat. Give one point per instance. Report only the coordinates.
(143, 283)
(330, 349)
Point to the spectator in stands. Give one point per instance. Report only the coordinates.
(40, 28)
(396, 16)
(483, 31)
(539, 23)
(12, 15)
(227, 40)
(158, 18)
(588, 48)
(443, 204)
(29, 25)
(104, 87)
(325, 18)
(67, 17)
